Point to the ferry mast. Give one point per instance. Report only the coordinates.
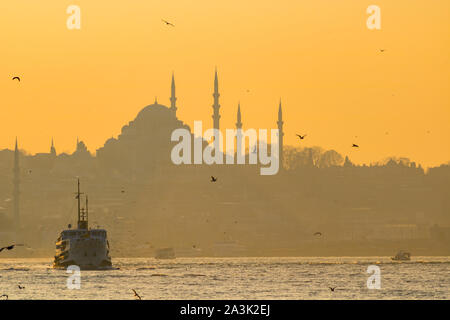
(82, 214)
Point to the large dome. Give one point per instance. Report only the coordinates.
(143, 141)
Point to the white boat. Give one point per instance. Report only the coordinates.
(402, 256)
(86, 248)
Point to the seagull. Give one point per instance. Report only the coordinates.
(168, 23)
(10, 247)
(355, 146)
(20, 287)
(213, 179)
(318, 233)
(16, 78)
(301, 137)
(136, 295)
(4, 295)
(332, 289)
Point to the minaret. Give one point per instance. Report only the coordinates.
(173, 98)
(280, 135)
(239, 123)
(52, 149)
(216, 105)
(238, 130)
(16, 192)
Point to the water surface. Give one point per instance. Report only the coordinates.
(233, 278)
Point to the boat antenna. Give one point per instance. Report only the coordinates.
(78, 197)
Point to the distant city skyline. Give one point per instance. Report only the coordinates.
(336, 85)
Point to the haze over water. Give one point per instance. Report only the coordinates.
(233, 278)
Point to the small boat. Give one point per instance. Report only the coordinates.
(402, 256)
(165, 253)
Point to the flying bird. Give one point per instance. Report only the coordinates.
(10, 247)
(168, 23)
(136, 295)
(318, 233)
(20, 287)
(213, 179)
(16, 78)
(332, 289)
(301, 137)
(355, 146)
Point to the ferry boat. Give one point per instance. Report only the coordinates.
(402, 256)
(84, 247)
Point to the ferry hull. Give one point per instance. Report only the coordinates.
(86, 253)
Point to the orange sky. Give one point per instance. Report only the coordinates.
(317, 55)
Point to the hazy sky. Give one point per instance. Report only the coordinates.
(336, 85)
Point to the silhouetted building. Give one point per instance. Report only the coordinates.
(144, 144)
(216, 105)
(173, 98)
(16, 193)
(52, 149)
(280, 135)
(81, 151)
(239, 129)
